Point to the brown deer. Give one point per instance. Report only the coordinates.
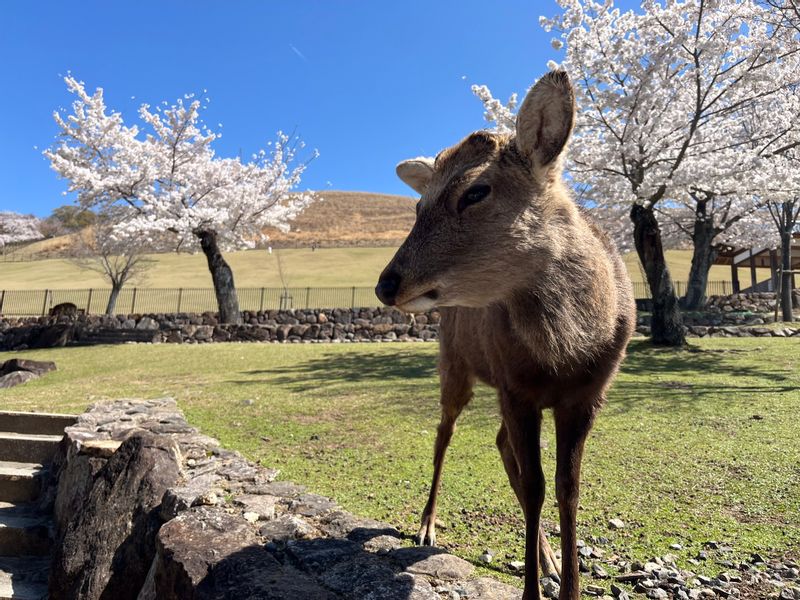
(65, 309)
(534, 300)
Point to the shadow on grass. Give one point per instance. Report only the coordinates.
(725, 374)
(700, 374)
(644, 358)
(401, 369)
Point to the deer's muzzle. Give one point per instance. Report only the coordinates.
(388, 285)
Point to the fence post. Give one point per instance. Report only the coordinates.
(44, 303)
(133, 301)
(308, 292)
(2, 299)
(261, 302)
(180, 296)
(89, 303)
(353, 298)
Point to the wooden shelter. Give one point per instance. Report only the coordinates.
(758, 258)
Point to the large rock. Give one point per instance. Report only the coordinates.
(104, 549)
(147, 323)
(39, 367)
(132, 525)
(52, 336)
(16, 378)
(490, 589)
(432, 562)
(206, 553)
(19, 370)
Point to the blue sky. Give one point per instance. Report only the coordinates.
(366, 83)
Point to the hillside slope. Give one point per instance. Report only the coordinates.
(335, 219)
(349, 219)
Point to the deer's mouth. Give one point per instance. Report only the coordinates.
(420, 303)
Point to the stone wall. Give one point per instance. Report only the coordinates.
(148, 508)
(757, 302)
(739, 315)
(292, 326)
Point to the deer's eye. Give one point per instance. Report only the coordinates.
(473, 195)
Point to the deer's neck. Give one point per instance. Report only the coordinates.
(562, 312)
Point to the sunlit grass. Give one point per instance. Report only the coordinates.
(692, 446)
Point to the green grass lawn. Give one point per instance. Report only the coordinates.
(693, 445)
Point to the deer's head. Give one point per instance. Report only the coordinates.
(482, 219)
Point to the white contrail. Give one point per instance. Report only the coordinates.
(296, 51)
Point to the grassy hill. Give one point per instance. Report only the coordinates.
(350, 219)
(336, 219)
(324, 267)
(356, 234)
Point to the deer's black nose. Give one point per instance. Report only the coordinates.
(387, 287)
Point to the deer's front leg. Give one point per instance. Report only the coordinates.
(572, 427)
(456, 391)
(523, 425)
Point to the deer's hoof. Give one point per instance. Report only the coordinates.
(426, 535)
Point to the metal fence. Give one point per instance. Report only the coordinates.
(166, 300)
(16, 257)
(714, 288)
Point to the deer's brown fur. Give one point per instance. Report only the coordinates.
(534, 299)
(65, 309)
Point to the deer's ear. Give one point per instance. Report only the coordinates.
(416, 172)
(544, 121)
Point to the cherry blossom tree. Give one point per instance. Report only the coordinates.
(169, 178)
(784, 13)
(786, 217)
(774, 131)
(783, 196)
(708, 221)
(16, 228)
(662, 93)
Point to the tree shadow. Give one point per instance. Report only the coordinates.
(647, 375)
(405, 368)
(692, 368)
(319, 569)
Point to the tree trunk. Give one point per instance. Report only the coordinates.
(786, 264)
(222, 276)
(112, 299)
(703, 255)
(666, 322)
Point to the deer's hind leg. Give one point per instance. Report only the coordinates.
(548, 562)
(456, 384)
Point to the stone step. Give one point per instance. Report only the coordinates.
(41, 423)
(28, 447)
(23, 578)
(19, 481)
(23, 530)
